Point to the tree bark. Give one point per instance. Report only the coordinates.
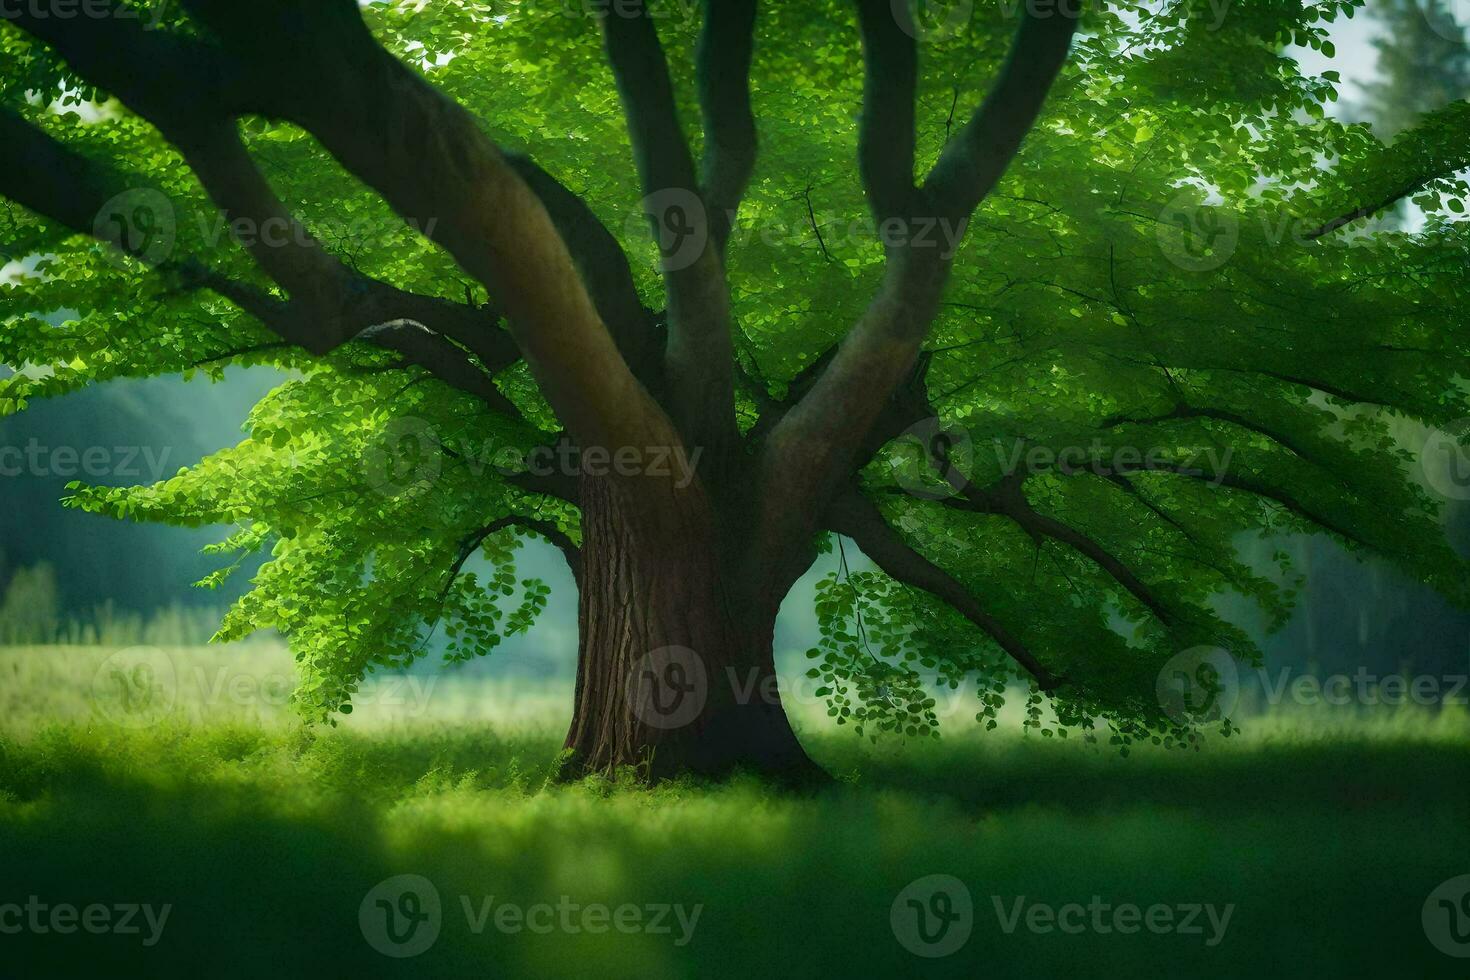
(675, 666)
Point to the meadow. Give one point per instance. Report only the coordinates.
(1319, 833)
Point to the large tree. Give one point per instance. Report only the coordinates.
(1159, 333)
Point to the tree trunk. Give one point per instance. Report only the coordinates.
(675, 669)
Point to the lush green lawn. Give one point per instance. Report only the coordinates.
(1324, 834)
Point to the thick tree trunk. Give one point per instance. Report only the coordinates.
(675, 671)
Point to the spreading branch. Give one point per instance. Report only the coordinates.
(852, 514)
(317, 65)
(44, 175)
(813, 448)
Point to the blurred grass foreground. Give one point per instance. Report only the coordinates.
(424, 837)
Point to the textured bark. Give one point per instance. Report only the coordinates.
(675, 670)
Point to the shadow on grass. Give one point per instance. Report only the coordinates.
(264, 845)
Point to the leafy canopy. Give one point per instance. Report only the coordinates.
(1146, 294)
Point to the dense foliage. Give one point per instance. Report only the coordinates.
(1158, 327)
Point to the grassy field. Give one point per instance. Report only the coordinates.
(1320, 835)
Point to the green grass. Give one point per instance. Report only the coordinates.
(1325, 831)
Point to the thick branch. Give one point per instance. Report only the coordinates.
(972, 164)
(886, 132)
(1252, 485)
(441, 358)
(604, 269)
(317, 65)
(54, 181)
(642, 76)
(812, 451)
(699, 358)
(1006, 498)
(726, 46)
(1186, 412)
